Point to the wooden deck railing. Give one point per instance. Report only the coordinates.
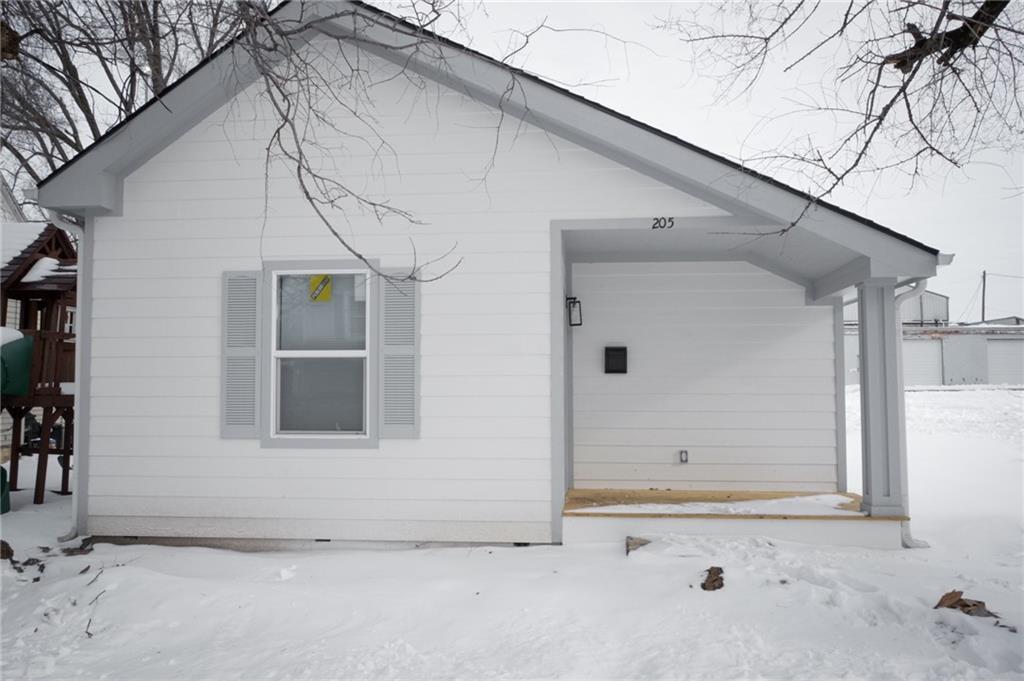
(53, 361)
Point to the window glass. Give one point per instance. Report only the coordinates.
(322, 312)
(322, 394)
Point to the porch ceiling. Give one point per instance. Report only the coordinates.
(824, 266)
(799, 256)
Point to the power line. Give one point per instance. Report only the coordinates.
(970, 304)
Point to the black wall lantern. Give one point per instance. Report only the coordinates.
(575, 308)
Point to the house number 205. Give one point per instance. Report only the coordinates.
(663, 223)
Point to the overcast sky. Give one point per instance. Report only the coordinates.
(976, 213)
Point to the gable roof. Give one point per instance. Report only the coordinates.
(25, 244)
(90, 184)
(18, 237)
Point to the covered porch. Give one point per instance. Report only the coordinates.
(702, 378)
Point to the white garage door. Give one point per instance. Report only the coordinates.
(1006, 361)
(922, 362)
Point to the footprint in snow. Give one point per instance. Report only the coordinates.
(286, 573)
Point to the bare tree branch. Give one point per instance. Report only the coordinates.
(956, 90)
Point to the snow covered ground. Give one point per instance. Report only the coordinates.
(788, 611)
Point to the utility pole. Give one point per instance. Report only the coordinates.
(984, 283)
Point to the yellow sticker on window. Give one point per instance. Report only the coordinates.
(320, 288)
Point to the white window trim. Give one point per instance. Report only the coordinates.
(271, 436)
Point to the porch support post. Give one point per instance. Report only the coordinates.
(883, 449)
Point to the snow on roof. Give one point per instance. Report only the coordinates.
(45, 268)
(17, 236)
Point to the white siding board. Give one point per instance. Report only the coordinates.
(725, 361)
(683, 438)
(441, 427)
(145, 367)
(696, 384)
(481, 406)
(156, 327)
(485, 386)
(545, 203)
(452, 345)
(705, 334)
(152, 405)
(134, 308)
(259, 482)
(656, 473)
(186, 447)
(287, 246)
(486, 365)
(681, 303)
(1005, 361)
(486, 323)
(167, 386)
(502, 186)
(187, 346)
(154, 266)
(661, 283)
(306, 527)
(167, 287)
(201, 230)
(697, 402)
(296, 466)
(302, 506)
(747, 420)
(707, 455)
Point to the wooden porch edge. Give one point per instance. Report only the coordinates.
(732, 516)
(578, 501)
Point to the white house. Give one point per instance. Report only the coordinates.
(242, 376)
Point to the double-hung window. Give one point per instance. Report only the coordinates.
(320, 352)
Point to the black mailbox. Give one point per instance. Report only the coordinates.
(615, 360)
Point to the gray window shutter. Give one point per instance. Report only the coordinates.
(399, 412)
(240, 381)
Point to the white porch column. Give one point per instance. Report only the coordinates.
(881, 400)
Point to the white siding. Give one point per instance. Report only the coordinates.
(481, 470)
(724, 360)
(1006, 361)
(922, 361)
